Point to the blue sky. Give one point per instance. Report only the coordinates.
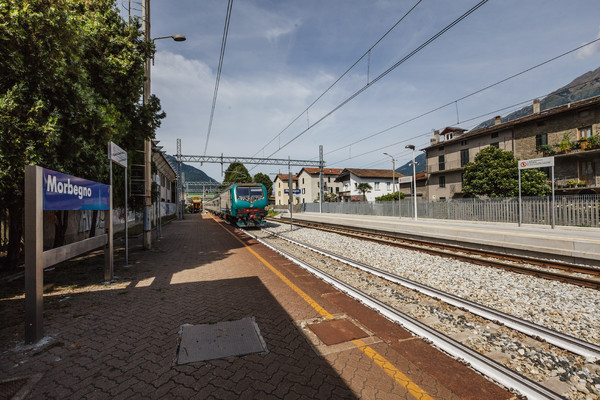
(282, 55)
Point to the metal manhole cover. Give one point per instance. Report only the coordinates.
(220, 340)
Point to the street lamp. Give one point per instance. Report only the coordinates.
(394, 179)
(410, 146)
(148, 142)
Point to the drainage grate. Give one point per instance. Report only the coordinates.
(220, 340)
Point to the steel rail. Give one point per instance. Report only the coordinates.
(436, 250)
(589, 350)
(479, 362)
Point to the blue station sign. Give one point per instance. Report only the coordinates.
(66, 192)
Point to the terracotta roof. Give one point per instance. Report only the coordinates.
(369, 173)
(326, 171)
(285, 177)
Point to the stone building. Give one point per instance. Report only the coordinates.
(569, 133)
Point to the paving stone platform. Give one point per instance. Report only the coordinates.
(119, 340)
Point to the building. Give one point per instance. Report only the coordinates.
(406, 188)
(379, 179)
(280, 185)
(309, 183)
(166, 180)
(569, 133)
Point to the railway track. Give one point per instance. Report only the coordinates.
(485, 365)
(580, 275)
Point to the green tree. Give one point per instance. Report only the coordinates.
(236, 173)
(328, 197)
(72, 77)
(364, 188)
(494, 173)
(265, 180)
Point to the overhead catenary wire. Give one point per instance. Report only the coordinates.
(383, 74)
(514, 106)
(368, 52)
(219, 69)
(466, 97)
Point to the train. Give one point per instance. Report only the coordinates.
(242, 204)
(196, 205)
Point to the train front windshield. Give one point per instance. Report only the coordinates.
(250, 194)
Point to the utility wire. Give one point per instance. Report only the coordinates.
(221, 56)
(515, 106)
(465, 97)
(382, 75)
(368, 52)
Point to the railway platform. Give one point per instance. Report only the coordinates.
(127, 338)
(569, 244)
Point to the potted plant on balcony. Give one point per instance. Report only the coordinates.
(546, 149)
(571, 183)
(593, 142)
(565, 144)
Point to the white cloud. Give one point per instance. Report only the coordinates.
(589, 50)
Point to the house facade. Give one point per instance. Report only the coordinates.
(309, 183)
(379, 179)
(280, 185)
(565, 132)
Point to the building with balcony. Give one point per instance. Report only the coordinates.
(309, 183)
(379, 179)
(569, 133)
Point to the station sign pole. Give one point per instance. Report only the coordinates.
(119, 156)
(537, 163)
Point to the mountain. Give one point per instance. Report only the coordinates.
(581, 88)
(191, 174)
(406, 169)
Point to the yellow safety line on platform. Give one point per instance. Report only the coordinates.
(377, 358)
(295, 288)
(392, 371)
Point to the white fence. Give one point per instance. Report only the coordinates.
(580, 210)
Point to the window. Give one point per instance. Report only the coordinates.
(328, 179)
(355, 185)
(495, 144)
(337, 189)
(494, 135)
(464, 142)
(303, 181)
(303, 191)
(541, 140)
(586, 168)
(464, 157)
(279, 194)
(442, 182)
(583, 133)
(376, 185)
(441, 163)
(389, 186)
(441, 148)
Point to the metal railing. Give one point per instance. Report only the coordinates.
(575, 210)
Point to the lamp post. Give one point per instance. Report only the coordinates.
(394, 179)
(148, 142)
(414, 187)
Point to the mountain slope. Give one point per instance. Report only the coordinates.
(581, 88)
(191, 174)
(406, 169)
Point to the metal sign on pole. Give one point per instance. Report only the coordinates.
(50, 190)
(543, 162)
(119, 156)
